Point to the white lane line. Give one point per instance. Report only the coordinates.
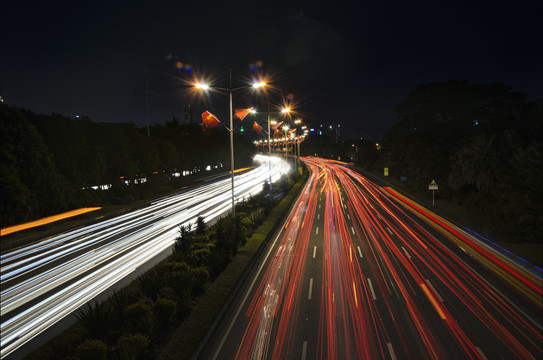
(317, 231)
(349, 216)
(389, 231)
(352, 229)
(406, 253)
(314, 251)
(310, 289)
(434, 290)
(319, 206)
(391, 351)
(481, 352)
(304, 350)
(221, 344)
(371, 289)
(359, 251)
(318, 216)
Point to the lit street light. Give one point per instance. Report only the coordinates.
(204, 86)
(285, 110)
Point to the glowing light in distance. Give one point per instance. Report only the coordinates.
(202, 86)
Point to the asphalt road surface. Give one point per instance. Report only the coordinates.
(43, 283)
(359, 271)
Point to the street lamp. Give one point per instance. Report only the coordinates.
(286, 127)
(204, 86)
(285, 110)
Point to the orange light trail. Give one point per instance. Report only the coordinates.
(46, 220)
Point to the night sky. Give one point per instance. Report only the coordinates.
(347, 63)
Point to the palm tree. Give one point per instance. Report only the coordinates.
(94, 319)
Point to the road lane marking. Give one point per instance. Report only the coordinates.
(352, 229)
(433, 301)
(310, 289)
(481, 352)
(223, 340)
(434, 290)
(391, 351)
(349, 216)
(317, 231)
(319, 206)
(406, 253)
(314, 251)
(371, 289)
(318, 216)
(389, 231)
(359, 251)
(304, 350)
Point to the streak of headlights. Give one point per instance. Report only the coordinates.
(44, 282)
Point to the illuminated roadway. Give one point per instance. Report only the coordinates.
(358, 271)
(44, 282)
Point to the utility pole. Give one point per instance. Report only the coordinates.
(147, 102)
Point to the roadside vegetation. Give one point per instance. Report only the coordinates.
(481, 143)
(53, 163)
(138, 321)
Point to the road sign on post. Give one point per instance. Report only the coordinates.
(433, 186)
(386, 171)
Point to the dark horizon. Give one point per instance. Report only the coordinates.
(347, 64)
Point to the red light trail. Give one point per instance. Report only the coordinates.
(388, 284)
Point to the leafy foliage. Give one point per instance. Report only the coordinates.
(94, 319)
(474, 140)
(49, 162)
(92, 349)
(133, 347)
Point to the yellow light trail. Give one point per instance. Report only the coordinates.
(46, 220)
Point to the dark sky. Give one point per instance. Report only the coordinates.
(344, 62)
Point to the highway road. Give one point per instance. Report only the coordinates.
(46, 281)
(359, 271)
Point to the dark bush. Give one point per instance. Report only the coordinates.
(199, 277)
(95, 320)
(139, 317)
(92, 349)
(133, 347)
(150, 282)
(164, 311)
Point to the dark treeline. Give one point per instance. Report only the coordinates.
(47, 161)
(481, 143)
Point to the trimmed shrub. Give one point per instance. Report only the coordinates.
(198, 277)
(199, 257)
(139, 317)
(164, 311)
(92, 349)
(133, 347)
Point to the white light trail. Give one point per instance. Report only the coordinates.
(46, 281)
